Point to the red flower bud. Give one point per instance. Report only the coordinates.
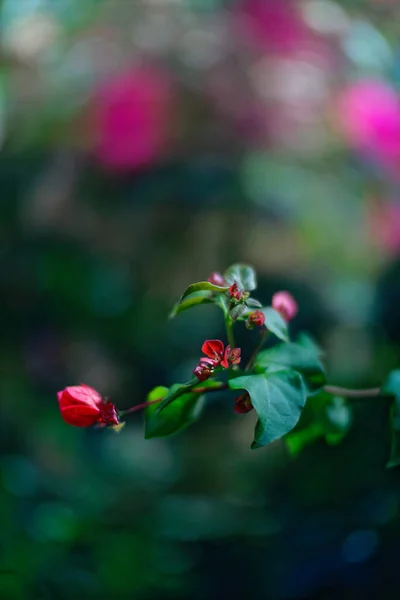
(255, 319)
(285, 304)
(216, 279)
(231, 357)
(235, 292)
(243, 404)
(203, 371)
(82, 406)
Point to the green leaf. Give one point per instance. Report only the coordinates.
(175, 391)
(243, 275)
(176, 416)
(278, 399)
(276, 324)
(300, 357)
(253, 303)
(296, 441)
(194, 300)
(237, 311)
(392, 387)
(202, 286)
(323, 417)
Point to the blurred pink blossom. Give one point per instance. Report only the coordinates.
(132, 115)
(369, 116)
(383, 225)
(274, 25)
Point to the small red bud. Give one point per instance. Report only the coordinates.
(255, 319)
(203, 371)
(243, 404)
(285, 304)
(236, 293)
(216, 279)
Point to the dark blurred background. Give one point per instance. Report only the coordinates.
(143, 145)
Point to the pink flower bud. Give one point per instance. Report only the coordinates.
(203, 371)
(285, 304)
(216, 279)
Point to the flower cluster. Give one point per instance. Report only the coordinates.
(216, 355)
(82, 406)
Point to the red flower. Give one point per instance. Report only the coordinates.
(82, 406)
(285, 304)
(216, 279)
(214, 349)
(235, 292)
(255, 319)
(243, 404)
(215, 355)
(231, 357)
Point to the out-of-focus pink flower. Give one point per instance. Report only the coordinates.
(369, 116)
(383, 225)
(285, 304)
(132, 116)
(274, 25)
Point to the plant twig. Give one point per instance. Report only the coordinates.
(339, 391)
(199, 390)
(263, 336)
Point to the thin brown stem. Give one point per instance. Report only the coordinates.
(263, 336)
(122, 413)
(339, 391)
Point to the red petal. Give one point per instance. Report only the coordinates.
(213, 349)
(224, 362)
(79, 415)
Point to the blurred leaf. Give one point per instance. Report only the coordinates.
(195, 300)
(202, 286)
(175, 391)
(243, 275)
(296, 441)
(324, 417)
(392, 387)
(278, 399)
(276, 324)
(237, 311)
(176, 416)
(253, 303)
(302, 357)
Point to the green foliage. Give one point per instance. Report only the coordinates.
(276, 324)
(237, 311)
(202, 286)
(323, 417)
(278, 398)
(392, 387)
(243, 275)
(302, 356)
(194, 300)
(177, 416)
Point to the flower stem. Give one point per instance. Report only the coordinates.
(229, 331)
(339, 391)
(263, 336)
(199, 390)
